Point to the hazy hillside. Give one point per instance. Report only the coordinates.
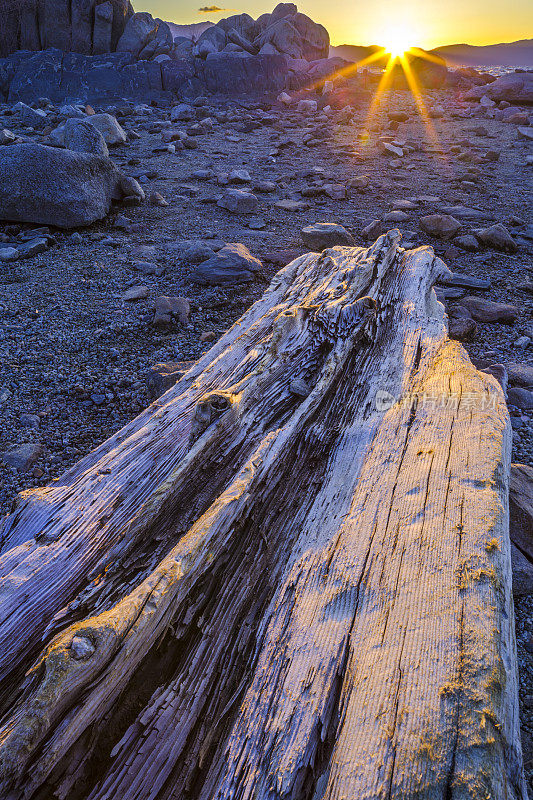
(352, 52)
(516, 54)
(190, 31)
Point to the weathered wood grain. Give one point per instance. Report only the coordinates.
(288, 578)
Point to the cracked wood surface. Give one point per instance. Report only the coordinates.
(288, 578)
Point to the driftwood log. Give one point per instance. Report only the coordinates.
(288, 578)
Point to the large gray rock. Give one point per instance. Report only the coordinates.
(105, 125)
(62, 76)
(515, 87)
(483, 310)
(69, 25)
(140, 29)
(54, 24)
(243, 24)
(212, 40)
(182, 47)
(264, 21)
(161, 44)
(102, 31)
(50, 186)
(283, 36)
(229, 73)
(29, 26)
(82, 26)
(315, 38)
(443, 226)
(497, 236)
(23, 457)
(81, 136)
(283, 10)
(122, 12)
(297, 36)
(35, 117)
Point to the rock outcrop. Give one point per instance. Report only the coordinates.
(80, 26)
(239, 55)
(285, 31)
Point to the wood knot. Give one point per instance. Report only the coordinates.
(208, 409)
(81, 648)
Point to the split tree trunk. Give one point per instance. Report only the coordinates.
(288, 578)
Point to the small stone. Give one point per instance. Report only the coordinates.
(6, 136)
(467, 242)
(81, 647)
(336, 191)
(326, 234)
(307, 106)
(239, 176)
(136, 293)
(169, 308)
(30, 420)
(146, 267)
(372, 230)
(238, 201)
(23, 457)
(441, 225)
(299, 387)
(197, 253)
(461, 328)
(520, 398)
(265, 186)
(359, 182)
(483, 310)
(9, 254)
(157, 199)
(162, 377)
(398, 116)
(520, 374)
(292, 205)
(232, 264)
(284, 98)
(396, 216)
(497, 236)
(389, 149)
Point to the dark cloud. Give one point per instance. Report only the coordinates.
(211, 10)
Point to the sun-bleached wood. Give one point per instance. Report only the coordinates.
(289, 578)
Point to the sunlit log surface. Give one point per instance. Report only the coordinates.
(288, 578)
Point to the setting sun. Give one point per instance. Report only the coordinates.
(397, 40)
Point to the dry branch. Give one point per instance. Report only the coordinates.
(277, 582)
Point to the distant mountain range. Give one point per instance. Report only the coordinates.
(509, 54)
(513, 54)
(353, 52)
(190, 31)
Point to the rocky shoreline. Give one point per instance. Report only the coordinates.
(208, 197)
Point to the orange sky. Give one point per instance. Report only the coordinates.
(430, 23)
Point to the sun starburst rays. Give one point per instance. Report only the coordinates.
(397, 57)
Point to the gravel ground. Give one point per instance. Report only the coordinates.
(74, 355)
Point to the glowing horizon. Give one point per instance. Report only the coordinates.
(429, 23)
